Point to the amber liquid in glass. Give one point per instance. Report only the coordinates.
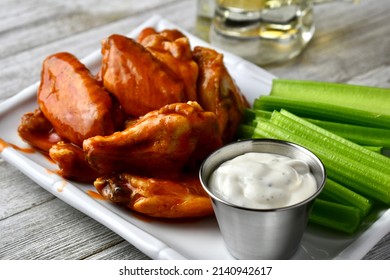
(263, 31)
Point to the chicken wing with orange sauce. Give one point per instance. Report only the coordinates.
(140, 82)
(169, 34)
(162, 198)
(217, 92)
(72, 163)
(182, 105)
(172, 47)
(37, 131)
(73, 101)
(166, 141)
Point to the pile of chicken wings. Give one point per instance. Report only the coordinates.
(139, 128)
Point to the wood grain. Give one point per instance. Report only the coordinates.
(351, 44)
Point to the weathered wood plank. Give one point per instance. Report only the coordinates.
(18, 192)
(378, 77)
(121, 251)
(351, 44)
(350, 40)
(58, 231)
(23, 68)
(28, 21)
(380, 251)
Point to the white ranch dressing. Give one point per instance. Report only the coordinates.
(263, 181)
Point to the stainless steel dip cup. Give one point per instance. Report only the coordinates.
(262, 233)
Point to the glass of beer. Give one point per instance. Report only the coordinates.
(263, 31)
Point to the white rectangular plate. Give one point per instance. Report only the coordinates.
(199, 239)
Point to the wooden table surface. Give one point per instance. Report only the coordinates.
(351, 45)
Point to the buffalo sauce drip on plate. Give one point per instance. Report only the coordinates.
(5, 144)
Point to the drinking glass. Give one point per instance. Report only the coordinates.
(261, 31)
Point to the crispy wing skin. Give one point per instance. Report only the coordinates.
(181, 105)
(176, 137)
(140, 82)
(76, 105)
(217, 92)
(36, 130)
(72, 163)
(170, 34)
(172, 47)
(163, 198)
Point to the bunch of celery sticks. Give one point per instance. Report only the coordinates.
(347, 127)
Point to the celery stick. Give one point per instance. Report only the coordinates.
(249, 116)
(372, 99)
(245, 131)
(378, 166)
(322, 111)
(376, 149)
(334, 215)
(363, 135)
(339, 144)
(335, 192)
(368, 136)
(267, 130)
(352, 174)
(262, 114)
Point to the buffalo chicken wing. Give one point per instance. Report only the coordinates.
(139, 81)
(36, 130)
(173, 49)
(157, 197)
(176, 137)
(141, 128)
(76, 105)
(72, 163)
(217, 92)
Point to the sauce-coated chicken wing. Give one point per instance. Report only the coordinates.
(72, 100)
(72, 163)
(168, 140)
(36, 130)
(143, 125)
(140, 82)
(173, 48)
(182, 198)
(217, 92)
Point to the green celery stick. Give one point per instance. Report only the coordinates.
(335, 192)
(323, 111)
(371, 99)
(245, 131)
(376, 149)
(378, 138)
(339, 144)
(262, 113)
(335, 216)
(368, 136)
(249, 116)
(363, 135)
(352, 174)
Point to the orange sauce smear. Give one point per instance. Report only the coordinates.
(50, 171)
(95, 195)
(149, 219)
(62, 186)
(5, 144)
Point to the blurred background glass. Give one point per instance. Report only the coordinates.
(261, 31)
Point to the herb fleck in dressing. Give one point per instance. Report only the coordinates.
(263, 181)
